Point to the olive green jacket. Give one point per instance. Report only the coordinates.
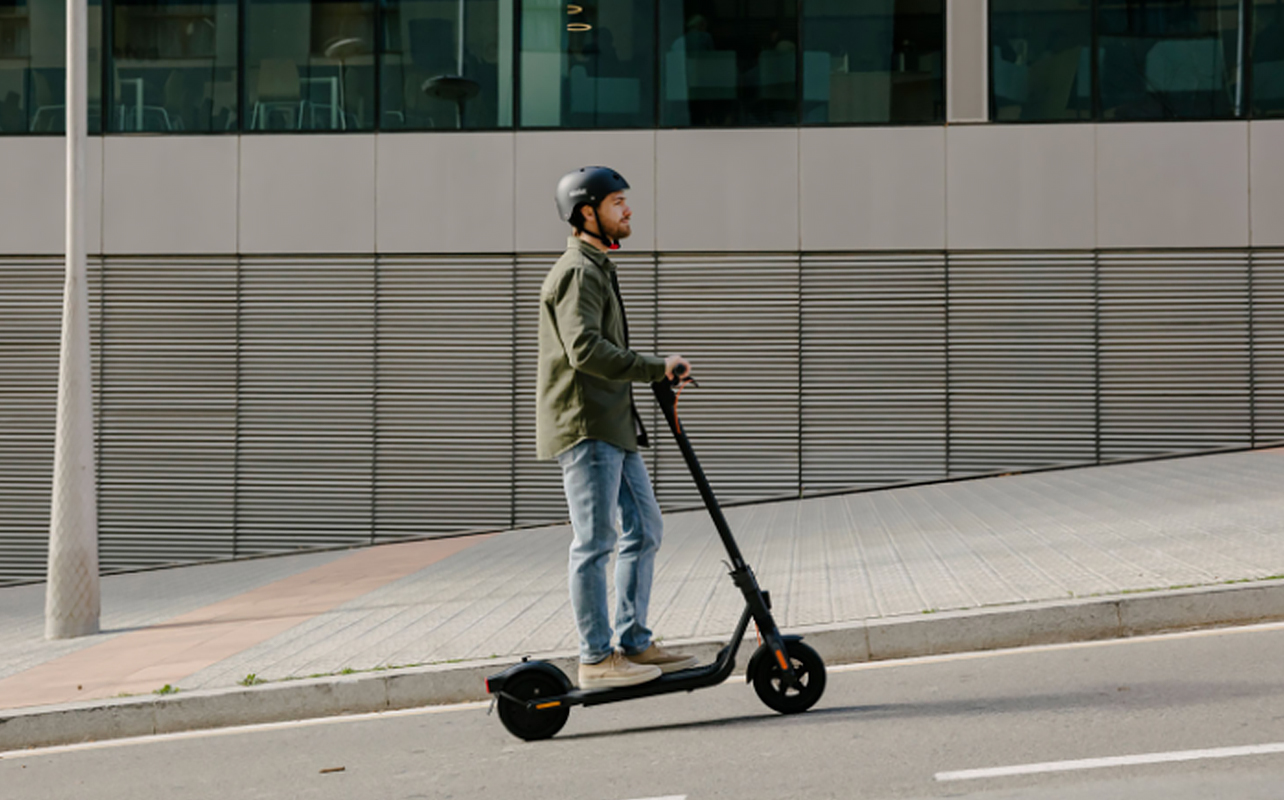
(585, 366)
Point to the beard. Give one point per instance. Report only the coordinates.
(617, 231)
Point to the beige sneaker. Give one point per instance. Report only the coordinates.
(616, 671)
(667, 660)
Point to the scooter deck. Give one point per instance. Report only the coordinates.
(682, 681)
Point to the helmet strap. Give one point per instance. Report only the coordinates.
(606, 240)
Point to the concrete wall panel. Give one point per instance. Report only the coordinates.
(545, 156)
(1266, 178)
(727, 190)
(445, 193)
(33, 204)
(1172, 185)
(872, 188)
(1025, 187)
(170, 195)
(307, 194)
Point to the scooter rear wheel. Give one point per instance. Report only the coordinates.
(536, 723)
(768, 678)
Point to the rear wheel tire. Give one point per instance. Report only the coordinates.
(532, 724)
(769, 683)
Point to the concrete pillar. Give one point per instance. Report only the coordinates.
(967, 36)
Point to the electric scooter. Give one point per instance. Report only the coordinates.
(534, 698)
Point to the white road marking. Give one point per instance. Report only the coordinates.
(235, 730)
(1049, 648)
(1111, 761)
(666, 797)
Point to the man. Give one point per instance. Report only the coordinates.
(586, 419)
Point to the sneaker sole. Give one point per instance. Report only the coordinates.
(678, 666)
(673, 666)
(617, 683)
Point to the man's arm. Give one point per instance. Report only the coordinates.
(581, 295)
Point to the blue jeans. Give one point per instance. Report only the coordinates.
(601, 481)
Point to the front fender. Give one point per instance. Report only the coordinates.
(761, 653)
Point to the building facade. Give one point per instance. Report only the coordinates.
(900, 239)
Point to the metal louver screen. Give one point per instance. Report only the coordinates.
(1022, 371)
(873, 370)
(255, 405)
(1268, 345)
(1174, 352)
(444, 394)
(30, 333)
(168, 412)
(306, 458)
(736, 319)
(537, 488)
(30, 310)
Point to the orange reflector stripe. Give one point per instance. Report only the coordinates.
(553, 704)
(780, 656)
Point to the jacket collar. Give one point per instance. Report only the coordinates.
(596, 256)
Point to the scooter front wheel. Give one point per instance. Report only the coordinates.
(532, 724)
(769, 683)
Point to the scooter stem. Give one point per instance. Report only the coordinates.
(741, 573)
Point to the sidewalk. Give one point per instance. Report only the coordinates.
(1010, 548)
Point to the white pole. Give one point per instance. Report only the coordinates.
(72, 601)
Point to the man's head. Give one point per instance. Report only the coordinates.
(592, 200)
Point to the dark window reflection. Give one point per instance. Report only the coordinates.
(309, 65)
(33, 75)
(447, 64)
(588, 64)
(728, 62)
(1169, 59)
(173, 65)
(1040, 59)
(1268, 58)
(873, 61)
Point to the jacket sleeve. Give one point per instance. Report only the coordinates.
(578, 306)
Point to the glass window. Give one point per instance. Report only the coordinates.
(588, 64)
(1169, 59)
(447, 64)
(1268, 58)
(728, 62)
(173, 65)
(309, 65)
(873, 61)
(1040, 64)
(33, 73)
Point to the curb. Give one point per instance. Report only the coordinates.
(941, 633)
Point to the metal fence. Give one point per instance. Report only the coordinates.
(257, 405)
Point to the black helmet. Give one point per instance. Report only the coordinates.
(586, 186)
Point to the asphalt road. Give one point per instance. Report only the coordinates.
(911, 729)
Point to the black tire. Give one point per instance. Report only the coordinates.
(533, 724)
(769, 684)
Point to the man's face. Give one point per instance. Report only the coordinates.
(613, 217)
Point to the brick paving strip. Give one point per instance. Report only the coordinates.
(144, 660)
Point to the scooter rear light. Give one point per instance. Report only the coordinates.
(488, 691)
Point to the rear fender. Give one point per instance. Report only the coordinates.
(495, 683)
